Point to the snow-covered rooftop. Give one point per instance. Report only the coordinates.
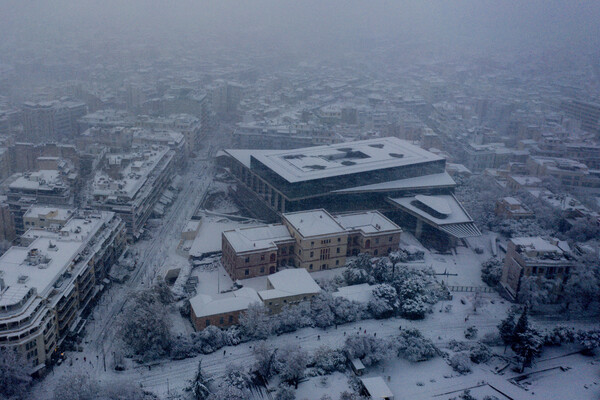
(363, 293)
(290, 282)
(204, 305)
(367, 222)
(134, 175)
(55, 213)
(377, 388)
(39, 180)
(318, 162)
(257, 238)
(313, 223)
(41, 264)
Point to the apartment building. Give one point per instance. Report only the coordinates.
(52, 120)
(534, 256)
(510, 207)
(46, 217)
(568, 172)
(131, 184)
(48, 284)
(50, 187)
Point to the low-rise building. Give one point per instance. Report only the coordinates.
(288, 287)
(512, 208)
(369, 232)
(534, 256)
(221, 310)
(47, 285)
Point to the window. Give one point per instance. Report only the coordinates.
(376, 252)
(262, 257)
(231, 318)
(299, 251)
(338, 250)
(247, 259)
(312, 243)
(247, 272)
(340, 239)
(262, 269)
(312, 253)
(534, 270)
(391, 238)
(337, 262)
(221, 320)
(377, 241)
(310, 266)
(207, 322)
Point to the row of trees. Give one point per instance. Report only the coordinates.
(528, 342)
(292, 364)
(81, 387)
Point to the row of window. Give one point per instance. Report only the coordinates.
(221, 321)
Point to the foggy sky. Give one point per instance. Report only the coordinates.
(306, 24)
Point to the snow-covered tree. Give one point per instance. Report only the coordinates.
(385, 301)
(292, 318)
(536, 291)
(480, 353)
(14, 374)
(460, 363)
(415, 308)
(199, 384)
(347, 310)
(265, 362)
(291, 363)
(327, 360)
(255, 321)
(369, 349)
(383, 270)
(413, 346)
(321, 310)
(209, 340)
(506, 329)
(491, 272)
(527, 346)
(583, 287)
(144, 326)
(236, 375)
(182, 347)
(590, 340)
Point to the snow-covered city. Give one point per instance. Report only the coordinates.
(299, 200)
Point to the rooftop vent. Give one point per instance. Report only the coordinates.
(396, 155)
(377, 145)
(315, 167)
(23, 279)
(348, 163)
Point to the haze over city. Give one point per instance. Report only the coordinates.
(315, 200)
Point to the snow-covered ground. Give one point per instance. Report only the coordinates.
(430, 379)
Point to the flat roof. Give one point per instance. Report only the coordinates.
(57, 213)
(56, 251)
(367, 222)
(314, 223)
(319, 162)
